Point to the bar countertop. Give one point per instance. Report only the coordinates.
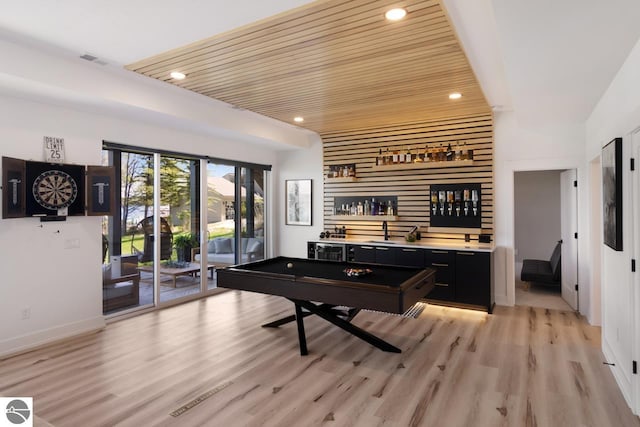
(444, 244)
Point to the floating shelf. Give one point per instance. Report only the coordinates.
(341, 179)
(364, 217)
(423, 165)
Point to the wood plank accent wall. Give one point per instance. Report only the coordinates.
(411, 186)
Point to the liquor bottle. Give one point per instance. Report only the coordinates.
(367, 207)
(379, 158)
(458, 152)
(374, 206)
(345, 171)
(394, 158)
(407, 156)
(360, 209)
(387, 157)
(449, 153)
(390, 208)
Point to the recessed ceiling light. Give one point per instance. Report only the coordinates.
(395, 14)
(298, 119)
(177, 75)
(455, 95)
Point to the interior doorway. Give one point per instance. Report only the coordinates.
(538, 224)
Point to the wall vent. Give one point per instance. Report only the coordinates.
(88, 57)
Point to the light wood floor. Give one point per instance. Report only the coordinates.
(520, 366)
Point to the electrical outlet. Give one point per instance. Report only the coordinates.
(26, 313)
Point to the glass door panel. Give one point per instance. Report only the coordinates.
(252, 213)
(220, 247)
(125, 242)
(179, 211)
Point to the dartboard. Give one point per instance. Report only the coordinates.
(54, 189)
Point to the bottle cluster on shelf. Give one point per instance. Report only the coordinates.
(366, 208)
(427, 154)
(339, 232)
(342, 171)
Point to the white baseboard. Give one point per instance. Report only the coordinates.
(31, 341)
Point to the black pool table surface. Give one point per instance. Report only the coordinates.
(382, 275)
(322, 287)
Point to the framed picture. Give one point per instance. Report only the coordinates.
(612, 193)
(298, 208)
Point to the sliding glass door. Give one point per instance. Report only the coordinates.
(152, 249)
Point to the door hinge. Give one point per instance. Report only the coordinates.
(633, 265)
(635, 367)
(575, 183)
(576, 286)
(575, 235)
(633, 164)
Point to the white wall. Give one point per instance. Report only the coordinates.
(521, 149)
(537, 214)
(618, 115)
(299, 164)
(62, 287)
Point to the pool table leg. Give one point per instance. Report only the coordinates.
(301, 335)
(284, 320)
(330, 316)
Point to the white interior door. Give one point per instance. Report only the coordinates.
(569, 231)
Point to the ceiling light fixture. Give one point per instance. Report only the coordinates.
(455, 95)
(298, 119)
(177, 75)
(395, 14)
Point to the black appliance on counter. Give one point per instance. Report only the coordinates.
(327, 251)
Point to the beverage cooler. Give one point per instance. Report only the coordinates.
(327, 251)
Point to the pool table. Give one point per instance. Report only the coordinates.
(320, 287)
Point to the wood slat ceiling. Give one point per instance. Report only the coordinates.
(339, 64)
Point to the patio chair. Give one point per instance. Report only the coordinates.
(166, 240)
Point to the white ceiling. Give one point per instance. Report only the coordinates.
(550, 61)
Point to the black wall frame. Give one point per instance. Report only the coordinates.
(612, 194)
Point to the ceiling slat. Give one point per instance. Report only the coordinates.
(339, 64)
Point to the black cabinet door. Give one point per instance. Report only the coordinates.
(411, 257)
(386, 255)
(444, 264)
(363, 253)
(473, 278)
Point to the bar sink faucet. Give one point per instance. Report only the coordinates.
(385, 227)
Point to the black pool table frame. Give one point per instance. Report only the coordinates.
(320, 296)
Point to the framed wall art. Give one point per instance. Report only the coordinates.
(298, 201)
(612, 193)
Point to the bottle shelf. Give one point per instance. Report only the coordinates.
(364, 217)
(423, 165)
(341, 179)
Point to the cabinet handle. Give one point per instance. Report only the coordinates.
(409, 250)
(366, 247)
(437, 264)
(444, 285)
(439, 252)
(382, 249)
(466, 253)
